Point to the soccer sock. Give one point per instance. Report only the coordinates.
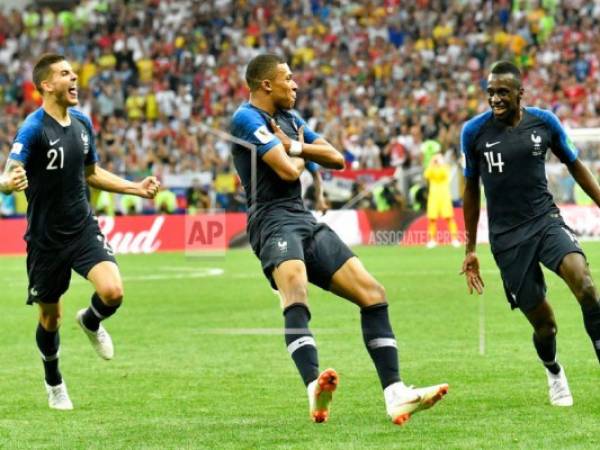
(381, 343)
(452, 228)
(97, 312)
(300, 342)
(546, 350)
(431, 229)
(591, 320)
(48, 343)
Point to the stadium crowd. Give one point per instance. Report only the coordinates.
(382, 80)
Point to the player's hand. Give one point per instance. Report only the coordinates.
(284, 138)
(149, 187)
(16, 179)
(470, 269)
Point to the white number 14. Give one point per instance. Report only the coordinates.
(492, 162)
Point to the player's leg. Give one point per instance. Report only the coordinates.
(292, 284)
(94, 260)
(544, 340)
(447, 213)
(291, 281)
(563, 254)
(576, 273)
(432, 216)
(525, 288)
(544, 326)
(105, 302)
(49, 276)
(331, 265)
(354, 283)
(431, 233)
(48, 341)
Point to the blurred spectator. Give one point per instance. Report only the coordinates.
(7, 205)
(198, 197)
(165, 201)
(131, 205)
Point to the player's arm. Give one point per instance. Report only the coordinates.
(319, 150)
(288, 168)
(323, 153)
(585, 179)
(104, 180)
(14, 177)
(320, 202)
(471, 210)
(565, 150)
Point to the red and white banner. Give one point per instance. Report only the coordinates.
(338, 183)
(219, 231)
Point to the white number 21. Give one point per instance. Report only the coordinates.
(53, 156)
(492, 162)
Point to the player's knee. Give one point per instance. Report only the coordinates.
(546, 330)
(586, 294)
(112, 294)
(296, 288)
(375, 294)
(50, 321)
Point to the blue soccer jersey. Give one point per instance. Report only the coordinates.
(251, 125)
(55, 157)
(511, 164)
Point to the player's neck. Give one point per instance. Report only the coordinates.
(58, 112)
(514, 120)
(262, 103)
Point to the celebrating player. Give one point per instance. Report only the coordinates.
(294, 249)
(52, 158)
(507, 147)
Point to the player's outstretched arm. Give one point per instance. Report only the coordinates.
(14, 177)
(471, 207)
(104, 180)
(320, 151)
(585, 179)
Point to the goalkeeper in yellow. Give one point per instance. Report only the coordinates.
(439, 201)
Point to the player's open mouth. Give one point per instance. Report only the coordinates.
(498, 109)
(73, 91)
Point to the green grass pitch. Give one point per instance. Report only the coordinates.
(201, 363)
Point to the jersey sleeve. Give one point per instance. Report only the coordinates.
(309, 135)
(28, 136)
(561, 145)
(92, 156)
(467, 147)
(250, 127)
(311, 166)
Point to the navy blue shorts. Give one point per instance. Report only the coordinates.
(321, 249)
(519, 266)
(49, 272)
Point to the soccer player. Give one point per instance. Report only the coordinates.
(294, 249)
(53, 158)
(439, 201)
(506, 147)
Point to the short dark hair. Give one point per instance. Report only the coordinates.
(506, 67)
(41, 70)
(262, 67)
